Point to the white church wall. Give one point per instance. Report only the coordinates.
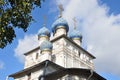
(35, 75)
(66, 54)
(32, 58)
(77, 56)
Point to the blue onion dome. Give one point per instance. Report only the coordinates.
(44, 32)
(75, 34)
(46, 45)
(60, 22)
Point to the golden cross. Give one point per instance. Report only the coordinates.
(44, 17)
(74, 19)
(60, 9)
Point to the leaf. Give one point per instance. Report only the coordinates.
(15, 14)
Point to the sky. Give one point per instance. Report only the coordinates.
(98, 21)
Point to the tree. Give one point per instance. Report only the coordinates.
(15, 14)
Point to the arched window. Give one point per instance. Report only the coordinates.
(37, 54)
(29, 76)
(79, 53)
(53, 58)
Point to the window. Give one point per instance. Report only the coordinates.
(53, 58)
(29, 76)
(79, 53)
(81, 56)
(37, 54)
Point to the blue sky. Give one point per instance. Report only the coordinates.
(102, 41)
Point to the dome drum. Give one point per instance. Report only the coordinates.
(43, 37)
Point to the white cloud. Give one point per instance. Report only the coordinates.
(100, 31)
(1, 65)
(29, 42)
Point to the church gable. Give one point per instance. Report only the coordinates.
(36, 70)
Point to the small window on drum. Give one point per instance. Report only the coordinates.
(53, 58)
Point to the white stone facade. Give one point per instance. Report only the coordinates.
(65, 54)
(69, 55)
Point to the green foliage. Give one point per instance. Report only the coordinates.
(15, 14)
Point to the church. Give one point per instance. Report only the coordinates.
(59, 58)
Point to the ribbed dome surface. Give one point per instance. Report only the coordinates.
(44, 32)
(46, 45)
(75, 34)
(58, 23)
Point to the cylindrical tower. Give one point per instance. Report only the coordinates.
(46, 50)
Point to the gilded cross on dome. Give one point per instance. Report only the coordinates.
(74, 19)
(44, 17)
(61, 9)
